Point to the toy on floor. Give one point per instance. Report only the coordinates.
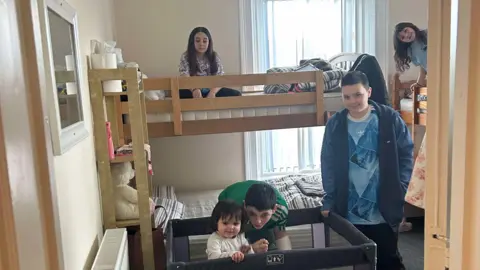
(126, 197)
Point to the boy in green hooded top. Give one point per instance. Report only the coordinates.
(267, 213)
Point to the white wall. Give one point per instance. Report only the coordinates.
(75, 171)
(412, 11)
(155, 33)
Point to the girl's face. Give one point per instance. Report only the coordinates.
(228, 227)
(201, 42)
(407, 35)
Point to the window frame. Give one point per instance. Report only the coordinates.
(249, 15)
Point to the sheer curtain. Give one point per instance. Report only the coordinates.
(285, 32)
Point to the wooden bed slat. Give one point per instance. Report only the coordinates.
(247, 102)
(232, 125)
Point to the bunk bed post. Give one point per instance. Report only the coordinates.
(101, 151)
(177, 112)
(145, 131)
(319, 88)
(141, 171)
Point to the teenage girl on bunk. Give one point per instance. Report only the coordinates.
(228, 239)
(201, 60)
(410, 45)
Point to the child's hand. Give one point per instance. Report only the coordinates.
(238, 257)
(245, 249)
(261, 246)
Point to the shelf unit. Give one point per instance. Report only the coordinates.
(104, 108)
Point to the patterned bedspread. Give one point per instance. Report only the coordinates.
(291, 187)
(331, 79)
(416, 189)
(300, 191)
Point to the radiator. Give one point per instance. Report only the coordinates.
(113, 251)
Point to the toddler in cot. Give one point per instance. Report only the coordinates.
(228, 239)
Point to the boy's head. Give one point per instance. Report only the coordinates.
(260, 204)
(355, 91)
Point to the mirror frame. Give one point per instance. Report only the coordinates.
(66, 138)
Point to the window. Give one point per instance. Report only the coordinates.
(280, 33)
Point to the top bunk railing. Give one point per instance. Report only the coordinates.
(175, 106)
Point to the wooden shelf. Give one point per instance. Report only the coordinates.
(122, 159)
(128, 223)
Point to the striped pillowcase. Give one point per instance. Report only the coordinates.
(169, 209)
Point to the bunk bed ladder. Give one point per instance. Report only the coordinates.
(105, 107)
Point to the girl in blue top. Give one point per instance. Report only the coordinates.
(410, 45)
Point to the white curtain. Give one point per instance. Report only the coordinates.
(283, 33)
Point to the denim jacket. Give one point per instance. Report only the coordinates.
(395, 161)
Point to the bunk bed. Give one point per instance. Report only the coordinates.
(249, 112)
(414, 112)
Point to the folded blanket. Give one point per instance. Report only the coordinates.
(311, 186)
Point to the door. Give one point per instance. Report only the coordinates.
(29, 231)
(453, 149)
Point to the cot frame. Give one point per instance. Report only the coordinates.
(176, 106)
(361, 255)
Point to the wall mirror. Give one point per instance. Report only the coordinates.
(64, 76)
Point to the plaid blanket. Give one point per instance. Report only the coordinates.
(331, 80)
(295, 198)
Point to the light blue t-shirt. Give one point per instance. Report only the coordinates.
(418, 53)
(363, 170)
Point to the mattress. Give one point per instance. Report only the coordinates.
(199, 203)
(406, 105)
(332, 102)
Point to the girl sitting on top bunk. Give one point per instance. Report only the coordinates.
(201, 60)
(410, 45)
(228, 239)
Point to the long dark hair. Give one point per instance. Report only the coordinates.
(402, 58)
(229, 210)
(192, 52)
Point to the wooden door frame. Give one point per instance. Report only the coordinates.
(437, 140)
(465, 188)
(27, 89)
(452, 237)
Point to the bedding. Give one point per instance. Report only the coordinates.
(331, 78)
(311, 186)
(199, 203)
(406, 105)
(295, 198)
(167, 210)
(300, 191)
(416, 188)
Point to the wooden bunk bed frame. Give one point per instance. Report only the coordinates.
(398, 89)
(108, 107)
(415, 119)
(176, 106)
